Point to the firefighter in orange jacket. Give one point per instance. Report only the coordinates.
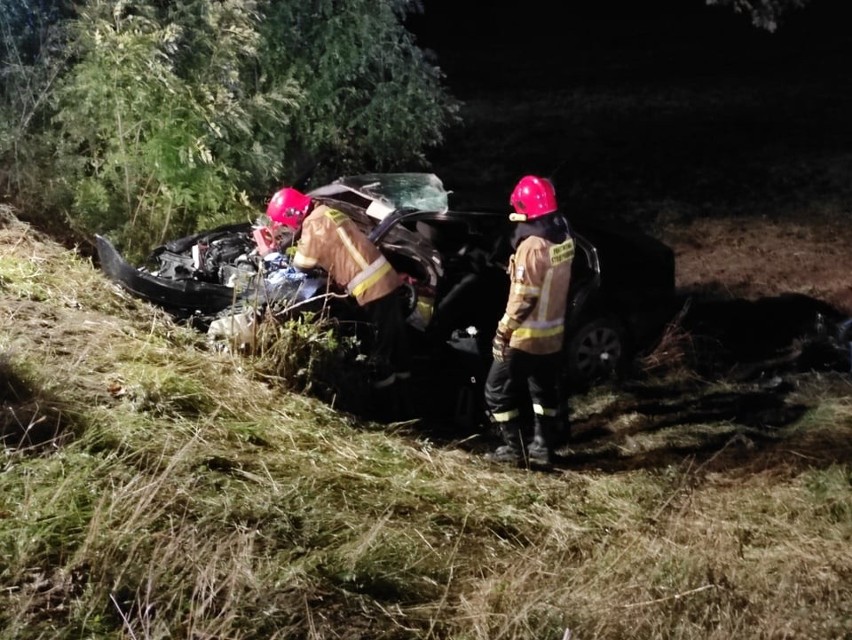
(329, 239)
(527, 347)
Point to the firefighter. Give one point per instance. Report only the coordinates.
(527, 346)
(330, 240)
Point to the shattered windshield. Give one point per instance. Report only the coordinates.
(418, 191)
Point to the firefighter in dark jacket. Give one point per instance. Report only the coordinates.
(527, 346)
(330, 240)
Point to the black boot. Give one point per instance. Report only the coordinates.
(562, 426)
(403, 399)
(562, 432)
(384, 403)
(511, 451)
(540, 450)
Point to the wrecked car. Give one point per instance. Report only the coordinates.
(453, 263)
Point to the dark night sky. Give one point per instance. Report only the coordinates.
(675, 36)
(754, 96)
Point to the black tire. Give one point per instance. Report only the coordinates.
(595, 352)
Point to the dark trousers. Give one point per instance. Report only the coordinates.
(520, 378)
(391, 352)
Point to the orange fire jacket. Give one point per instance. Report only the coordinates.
(332, 241)
(540, 275)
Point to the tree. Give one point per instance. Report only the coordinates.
(32, 57)
(171, 116)
(156, 117)
(766, 14)
(372, 100)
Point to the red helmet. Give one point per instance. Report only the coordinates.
(288, 207)
(533, 197)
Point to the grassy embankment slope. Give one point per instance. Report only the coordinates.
(153, 488)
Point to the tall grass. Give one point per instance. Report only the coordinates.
(182, 493)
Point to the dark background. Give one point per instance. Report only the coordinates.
(625, 41)
(629, 106)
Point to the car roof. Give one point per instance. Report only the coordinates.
(391, 191)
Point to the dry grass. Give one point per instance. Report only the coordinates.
(180, 493)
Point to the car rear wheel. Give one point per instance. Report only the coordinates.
(596, 351)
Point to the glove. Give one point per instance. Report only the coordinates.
(500, 344)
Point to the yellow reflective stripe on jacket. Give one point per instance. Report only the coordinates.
(527, 331)
(346, 239)
(542, 310)
(337, 217)
(425, 309)
(526, 290)
(369, 276)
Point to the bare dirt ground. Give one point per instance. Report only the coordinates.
(754, 258)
